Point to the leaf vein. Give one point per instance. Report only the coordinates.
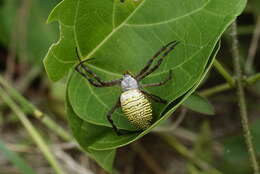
(170, 20)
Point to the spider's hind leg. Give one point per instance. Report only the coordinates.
(155, 97)
(109, 117)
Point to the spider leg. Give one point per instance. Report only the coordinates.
(167, 51)
(91, 81)
(155, 97)
(88, 73)
(149, 63)
(159, 83)
(109, 116)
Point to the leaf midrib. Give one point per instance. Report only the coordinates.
(109, 35)
(124, 23)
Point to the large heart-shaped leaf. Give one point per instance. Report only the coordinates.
(91, 136)
(124, 36)
(129, 45)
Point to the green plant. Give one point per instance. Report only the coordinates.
(123, 36)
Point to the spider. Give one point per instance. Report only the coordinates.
(133, 99)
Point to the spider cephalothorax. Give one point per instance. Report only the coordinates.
(133, 99)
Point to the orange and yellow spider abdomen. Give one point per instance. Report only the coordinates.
(136, 108)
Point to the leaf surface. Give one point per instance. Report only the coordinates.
(200, 104)
(132, 43)
(105, 158)
(124, 37)
(96, 137)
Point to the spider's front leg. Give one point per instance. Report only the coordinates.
(165, 50)
(88, 74)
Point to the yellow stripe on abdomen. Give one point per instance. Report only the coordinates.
(136, 108)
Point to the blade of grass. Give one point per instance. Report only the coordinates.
(29, 108)
(15, 159)
(32, 131)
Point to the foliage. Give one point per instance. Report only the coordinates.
(123, 36)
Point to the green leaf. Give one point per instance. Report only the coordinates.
(91, 136)
(15, 159)
(199, 104)
(61, 55)
(133, 42)
(104, 158)
(127, 45)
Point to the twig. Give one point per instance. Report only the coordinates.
(253, 47)
(29, 108)
(223, 72)
(225, 86)
(241, 98)
(32, 131)
(245, 29)
(173, 142)
(148, 159)
(253, 79)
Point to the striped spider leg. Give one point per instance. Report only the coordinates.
(88, 74)
(97, 82)
(164, 51)
(134, 104)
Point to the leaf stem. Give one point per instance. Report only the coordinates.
(226, 86)
(223, 72)
(29, 108)
(241, 98)
(32, 131)
(253, 47)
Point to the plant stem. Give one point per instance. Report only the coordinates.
(215, 89)
(226, 86)
(223, 72)
(251, 80)
(32, 131)
(241, 98)
(29, 108)
(253, 47)
(185, 152)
